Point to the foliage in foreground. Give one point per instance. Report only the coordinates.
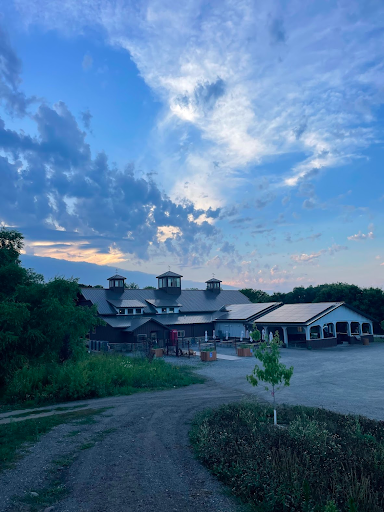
(94, 376)
(38, 321)
(319, 462)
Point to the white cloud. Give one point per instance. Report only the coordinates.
(361, 236)
(254, 80)
(87, 62)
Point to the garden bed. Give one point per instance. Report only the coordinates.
(320, 462)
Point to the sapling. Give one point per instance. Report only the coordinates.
(255, 335)
(273, 372)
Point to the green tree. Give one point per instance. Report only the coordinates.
(131, 286)
(273, 372)
(39, 322)
(256, 295)
(149, 288)
(255, 334)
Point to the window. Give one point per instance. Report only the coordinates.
(141, 337)
(163, 310)
(366, 328)
(180, 334)
(138, 311)
(299, 329)
(121, 311)
(171, 310)
(94, 330)
(355, 328)
(130, 311)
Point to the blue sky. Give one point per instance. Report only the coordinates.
(243, 138)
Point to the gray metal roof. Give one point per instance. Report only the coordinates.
(118, 321)
(116, 276)
(169, 274)
(298, 313)
(176, 319)
(164, 302)
(246, 311)
(127, 303)
(213, 280)
(138, 322)
(192, 301)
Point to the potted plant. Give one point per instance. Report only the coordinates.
(157, 351)
(208, 354)
(245, 350)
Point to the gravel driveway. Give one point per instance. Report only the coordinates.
(138, 458)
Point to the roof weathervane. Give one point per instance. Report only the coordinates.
(169, 268)
(213, 274)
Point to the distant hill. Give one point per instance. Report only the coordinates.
(91, 274)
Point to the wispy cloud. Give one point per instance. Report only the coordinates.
(254, 80)
(361, 236)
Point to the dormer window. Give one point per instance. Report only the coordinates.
(121, 311)
(171, 310)
(138, 311)
(130, 311)
(163, 310)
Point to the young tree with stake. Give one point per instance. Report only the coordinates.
(274, 372)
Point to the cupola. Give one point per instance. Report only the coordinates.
(170, 282)
(116, 283)
(214, 285)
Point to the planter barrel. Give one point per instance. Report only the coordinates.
(208, 356)
(158, 352)
(244, 352)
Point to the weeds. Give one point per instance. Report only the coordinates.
(319, 461)
(94, 376)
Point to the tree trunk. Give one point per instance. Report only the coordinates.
(274, 408)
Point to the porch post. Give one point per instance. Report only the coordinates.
(307, 332)
(285, 331)
(265, 327)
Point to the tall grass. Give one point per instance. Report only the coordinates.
(96, 375)
(318, 461)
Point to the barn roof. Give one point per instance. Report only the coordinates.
(192, 301)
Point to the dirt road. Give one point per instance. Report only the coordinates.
(134, 458)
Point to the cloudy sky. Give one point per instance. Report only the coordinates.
(241, 138)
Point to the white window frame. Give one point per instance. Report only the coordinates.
(181, 334)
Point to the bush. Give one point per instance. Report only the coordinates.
(318, 461)
(94, 376)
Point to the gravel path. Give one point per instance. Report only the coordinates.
(143, 463)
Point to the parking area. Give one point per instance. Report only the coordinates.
(346, 378)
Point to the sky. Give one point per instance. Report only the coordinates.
(237, 138)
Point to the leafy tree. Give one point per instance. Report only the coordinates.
(131, 286)
(149, 288)
(256, 295)
(39, 322)
(273, 372)
(255, 334)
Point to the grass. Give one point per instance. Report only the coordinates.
(318, 461)
(95, 376)
(14, 436)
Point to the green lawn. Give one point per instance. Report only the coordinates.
(316, 461)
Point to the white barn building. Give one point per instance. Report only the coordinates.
(318, 325)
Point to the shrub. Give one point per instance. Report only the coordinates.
(319, 461)
(94, 376)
